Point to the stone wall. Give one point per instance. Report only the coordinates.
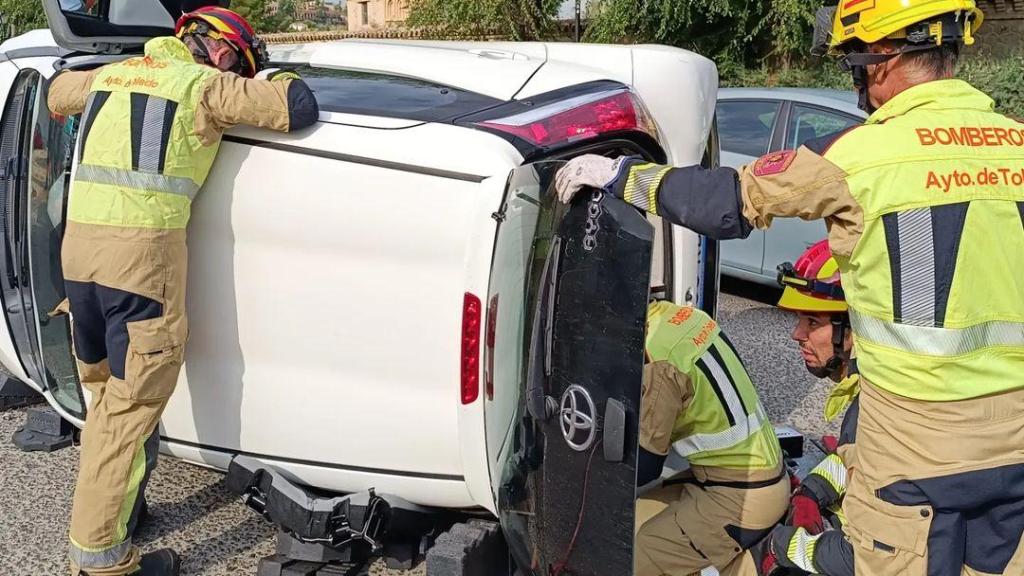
(379, 14)
(1003, 31)
(999, 38)
(385, 33)
(373, 10)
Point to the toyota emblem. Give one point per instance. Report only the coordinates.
(577, 418)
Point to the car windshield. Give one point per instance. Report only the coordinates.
(374, 94)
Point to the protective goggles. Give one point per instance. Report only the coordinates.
(851, 60)
(788, 276)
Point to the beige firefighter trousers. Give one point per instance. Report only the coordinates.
(937, 488)
(126, 289)
(684, 528)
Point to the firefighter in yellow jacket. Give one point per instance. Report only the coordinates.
(151, 127)
(699, 400)
(925, 210)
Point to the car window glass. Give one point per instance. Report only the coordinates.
(746, 127)
(808, 123)
(92, 7)
(53, 144)
(373, 94)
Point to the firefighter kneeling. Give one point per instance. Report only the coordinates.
(698, 398)
(813, 290)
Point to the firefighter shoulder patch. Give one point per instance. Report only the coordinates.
(774, 163)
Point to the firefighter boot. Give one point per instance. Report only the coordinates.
(163, 562)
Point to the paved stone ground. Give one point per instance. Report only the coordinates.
(760, 332)
(217, 535)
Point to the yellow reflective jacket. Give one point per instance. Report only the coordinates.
(152, 126)
(925, 210)
(698, 398)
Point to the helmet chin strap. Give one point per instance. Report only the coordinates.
(860, 82)
(833, 368)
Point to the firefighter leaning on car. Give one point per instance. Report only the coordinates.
(813, 290)
(151, 128)
(698, 399)
(926, 220)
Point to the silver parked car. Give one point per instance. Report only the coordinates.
(755, 121)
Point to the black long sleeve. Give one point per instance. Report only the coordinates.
(707, 201)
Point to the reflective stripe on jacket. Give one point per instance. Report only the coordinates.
(709, 411)
(151, 128)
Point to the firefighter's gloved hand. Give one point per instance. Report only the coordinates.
(788, 549)
(831, 444)
(805, 513)
(765, 559)
(589, 170)
(276, 74)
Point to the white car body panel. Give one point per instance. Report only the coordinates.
(30, 39)
(299, 323)
(326, 287)
(571, 64)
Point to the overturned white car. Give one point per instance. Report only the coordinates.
(375, 301)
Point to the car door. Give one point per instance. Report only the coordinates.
(745, 129)
(35, 159)
(36, 156)
(788, 238)
(567, 309)
(113, 26)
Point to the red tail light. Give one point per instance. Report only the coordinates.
(579, 118)
(471, 311)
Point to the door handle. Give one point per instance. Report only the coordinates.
(497, 54)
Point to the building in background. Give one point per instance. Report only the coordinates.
(371, 14)
(314, 14)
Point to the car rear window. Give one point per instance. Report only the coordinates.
(373, 94)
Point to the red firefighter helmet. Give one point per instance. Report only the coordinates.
(812, 284)
(223, 24)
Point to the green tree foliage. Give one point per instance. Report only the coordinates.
(519, 19)
(732, 32)
(282, 20)
(21, 16)
(257, 12)
(999, 78)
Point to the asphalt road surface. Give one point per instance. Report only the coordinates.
(217, 535)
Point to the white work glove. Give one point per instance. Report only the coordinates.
(589, 170)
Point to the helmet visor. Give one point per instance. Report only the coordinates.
(789, 277)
